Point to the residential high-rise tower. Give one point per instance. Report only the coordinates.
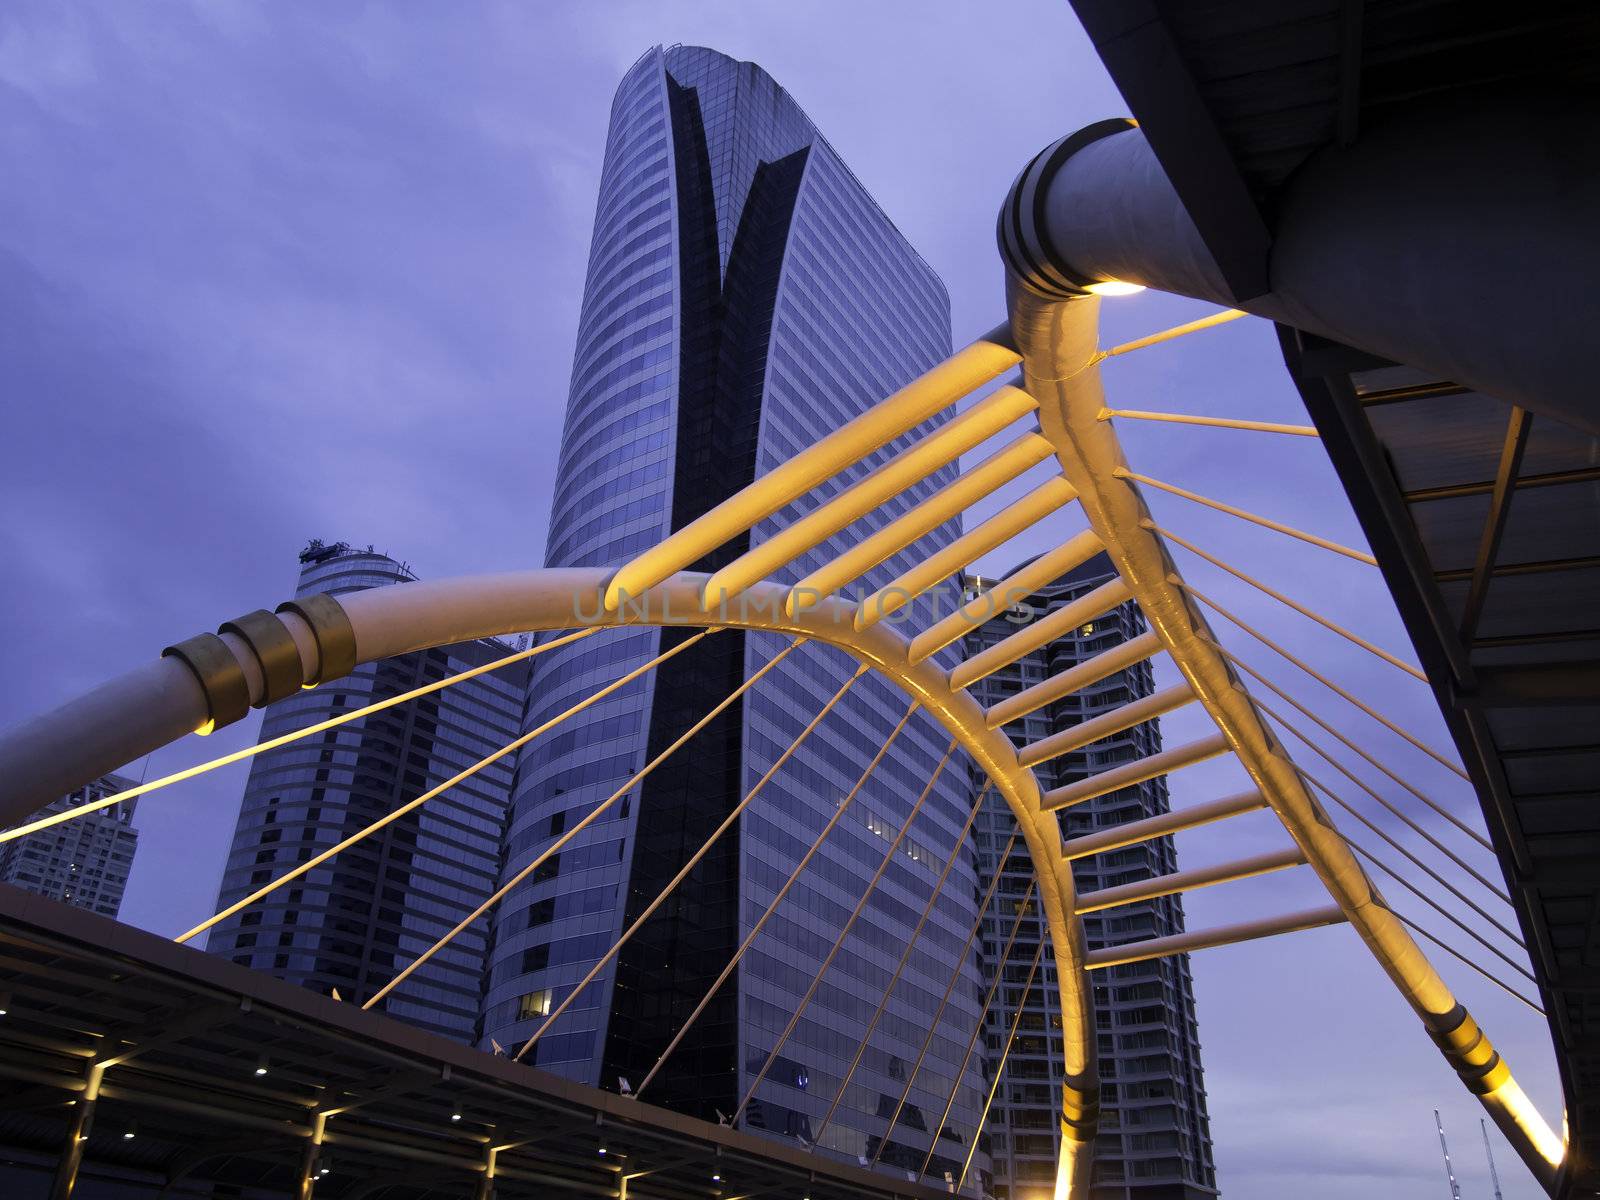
(745, 297)
(354, 921)
(84, 862)
(1155, 1139)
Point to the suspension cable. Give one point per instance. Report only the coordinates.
(1410, 857)
(411, 805)
(1177, 331)
(949, 990)
(1431, 803)
(905, 957)
(1213, 422)
(1322, 752)
(1253, 518)
(1439, 908)
(226, 760)
(1437, 757)
(689, 866)
(983, 1014)
(849, 924)
(783, 891)
(999, 1073)
(1451, 950)
(593, 815)
(1353, 638)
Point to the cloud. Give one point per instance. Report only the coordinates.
(271, 272)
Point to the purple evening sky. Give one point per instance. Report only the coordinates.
(271, 272)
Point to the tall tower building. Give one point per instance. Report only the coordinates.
(745, 296)
(354, 921)
(1155, 1139)
(83, 862)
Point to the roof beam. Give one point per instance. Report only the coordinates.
(1138, 49)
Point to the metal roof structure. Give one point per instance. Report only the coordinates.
(1484, 517)
(1486, 523)
(219, 1072)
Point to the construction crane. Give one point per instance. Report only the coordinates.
(1494, 1176)
(1455, 1190)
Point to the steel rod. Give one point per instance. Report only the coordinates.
(285, 739)
(1187, 881)
(1322, 753)
(930, 393)
(1311, 539)
(1176, 820)
(983, 1017)
(1123, 717)
(984, 478)
(593, 815)
(1045, 569)
(911, 466)
(1029, 638)
(900, 967)
(1211, 422)
(412, 805)
(1431, 803)
(1074, 679)
(845, 930)
(1050, 496)
(1344, 695)
(777, 899)
(672, 885)
(1177, 331)
(949, 989)
(1140, 769)
(1209, 939)
(1349, 636)
(999, 1074)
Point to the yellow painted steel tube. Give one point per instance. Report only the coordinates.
(1209, 939)
(1191, 880)
(911, 466)
(1045, 569)
(1057, 341)
(931, 392)
(1042, 632)
(1090, 671)
(1124, 716)
(1022, 514)
(1131, 833)
(1137, 771)
(998, 469)
(414, 616)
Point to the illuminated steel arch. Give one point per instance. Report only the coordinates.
(211, 680)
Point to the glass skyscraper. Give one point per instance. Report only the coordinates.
(1155, 1138)
(356, 920)
(83, 862)
(745, 296)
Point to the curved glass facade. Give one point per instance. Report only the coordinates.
(745, 296)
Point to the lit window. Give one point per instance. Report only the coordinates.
(534, 1004)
